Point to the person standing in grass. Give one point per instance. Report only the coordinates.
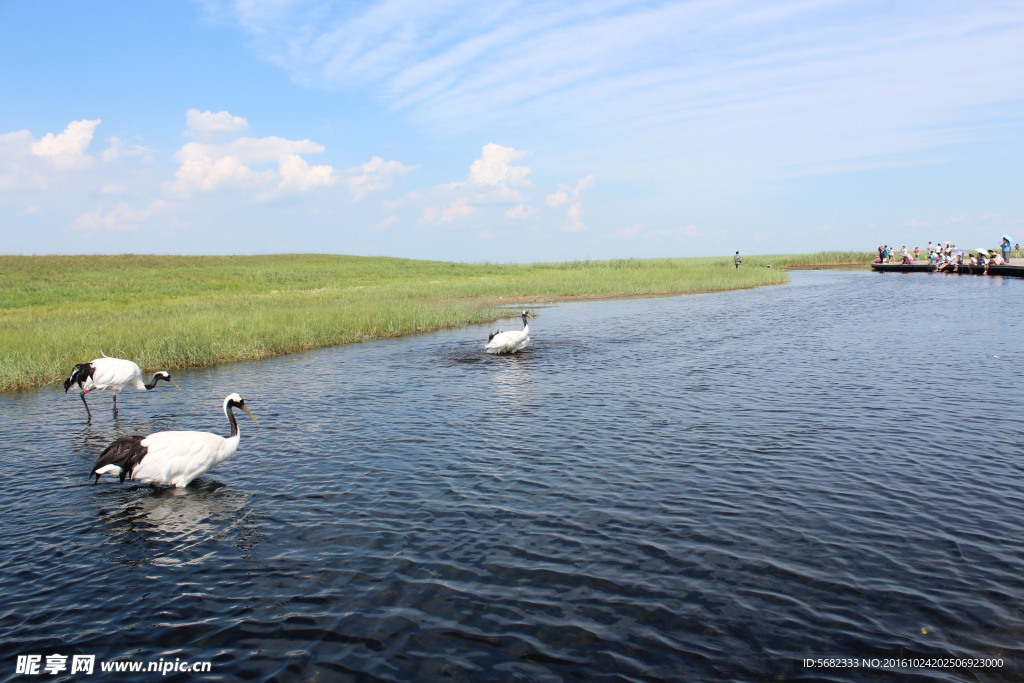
(737, 260)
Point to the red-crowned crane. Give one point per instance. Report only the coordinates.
(510, 342)
(113, 375)
(171, 458)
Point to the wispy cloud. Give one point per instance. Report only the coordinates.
(208, 125)
(28, 163)
(374, 176)
(120, 149)
(67, 150)
(521, 212)
(459, 208)
(121, 218)
(493, 179)
(574, 198)
(792, 87)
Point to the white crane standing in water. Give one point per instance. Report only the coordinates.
(111, 374)
(510, 342)
(171, 458)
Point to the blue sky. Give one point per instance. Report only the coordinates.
(509, 131)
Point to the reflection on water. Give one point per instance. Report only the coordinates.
(711, 487)
(512, 380)
(178, 527)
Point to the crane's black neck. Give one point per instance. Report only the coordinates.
(152, 385)
(233, 421)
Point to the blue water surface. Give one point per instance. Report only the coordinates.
(706, 487)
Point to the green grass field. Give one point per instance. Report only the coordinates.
(168, 312)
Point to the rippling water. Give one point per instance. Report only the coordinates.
(709, 487)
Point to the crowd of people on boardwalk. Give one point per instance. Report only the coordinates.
(946, 257)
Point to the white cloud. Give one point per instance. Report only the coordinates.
(207, 125)
(30, 164)
(267, 166)
(20, 170)
(66, 150)
(520, 212)
(574, 198)
(493, 179)
(119, 149)
(495, 167)
(459, 208)
(297, 174)
(208, 173)
(121, 218)
(250, 151)
(373, 176)
(575, 216)
(558, 198)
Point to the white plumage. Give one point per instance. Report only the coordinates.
(171, 458)
(510, 342)
(113, 375)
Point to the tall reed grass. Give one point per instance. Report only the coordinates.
(168, 312)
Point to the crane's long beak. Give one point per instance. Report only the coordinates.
(174, 383)
(249, 413)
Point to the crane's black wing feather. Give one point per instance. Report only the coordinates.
(126, 452)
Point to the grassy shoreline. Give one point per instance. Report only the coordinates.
(169, 312)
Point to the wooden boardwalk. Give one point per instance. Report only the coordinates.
(1015, 269)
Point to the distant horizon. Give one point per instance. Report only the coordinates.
(727, 256)
(523, 131)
